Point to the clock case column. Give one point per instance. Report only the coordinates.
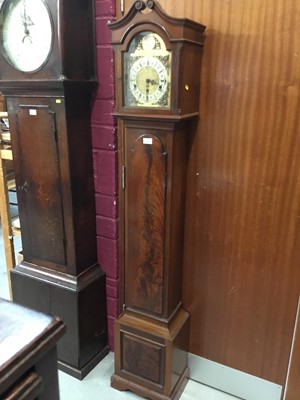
(59, 273)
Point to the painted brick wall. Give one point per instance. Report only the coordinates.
(104, 135)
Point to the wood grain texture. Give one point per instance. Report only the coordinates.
(143, 358)
(242, 237)
(39, 184)
(145, 224)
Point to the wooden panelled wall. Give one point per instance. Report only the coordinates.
(242, 238)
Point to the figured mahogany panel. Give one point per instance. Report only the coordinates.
(144, 225)
(38, 183)
(142, 358)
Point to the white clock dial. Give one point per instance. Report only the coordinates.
(26, 33)
(148, 80)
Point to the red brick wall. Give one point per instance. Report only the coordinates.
(104, 137)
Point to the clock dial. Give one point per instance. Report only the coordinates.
(147, 74)
(26, 33)
(148, 80)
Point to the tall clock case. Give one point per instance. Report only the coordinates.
(157, 78)
(49, 109)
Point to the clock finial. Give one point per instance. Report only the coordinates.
(140, 5)
(150, 3)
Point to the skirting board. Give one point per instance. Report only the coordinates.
(232, 381)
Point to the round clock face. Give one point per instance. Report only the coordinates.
(147, 72)
(26, 33)
(148, 80)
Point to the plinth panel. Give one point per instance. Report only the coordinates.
(151, 355)
(143, 358)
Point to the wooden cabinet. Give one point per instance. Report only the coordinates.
(28, 361)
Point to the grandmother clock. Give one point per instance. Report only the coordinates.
(157, 61)
(47, 74)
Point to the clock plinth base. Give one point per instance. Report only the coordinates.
(151, 356)
(81, 373)
(78, 301)
(122, 384)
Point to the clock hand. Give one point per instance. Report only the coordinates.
(147, 89)
(149, 81)
(26, 20)
(27, 36)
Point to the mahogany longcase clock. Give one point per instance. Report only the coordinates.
(47, 74)
(158, 62)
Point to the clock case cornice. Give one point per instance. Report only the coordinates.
(183, 28)
(183, 37)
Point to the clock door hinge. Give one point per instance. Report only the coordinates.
(123, 177)
(122, 6)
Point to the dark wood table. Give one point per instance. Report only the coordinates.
(28, 359)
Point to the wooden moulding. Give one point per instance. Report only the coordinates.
(152, 359)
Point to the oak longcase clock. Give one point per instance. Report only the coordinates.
(157, 62)
(47, 74)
